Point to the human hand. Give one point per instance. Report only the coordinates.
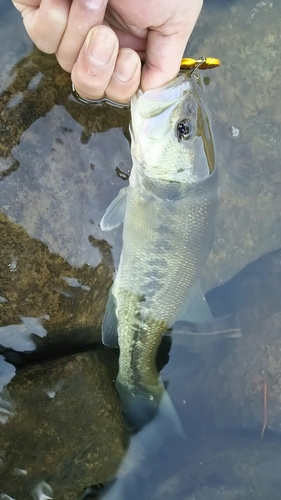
(100, 42)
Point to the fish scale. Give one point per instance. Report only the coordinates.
(159, 280)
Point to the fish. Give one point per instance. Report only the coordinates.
(168, 215)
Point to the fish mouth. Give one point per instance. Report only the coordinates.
(158, 104)
(161, 98)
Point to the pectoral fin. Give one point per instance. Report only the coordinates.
(110, 323)
(114, 215)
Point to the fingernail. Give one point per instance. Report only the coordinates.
(100, 47)
(126, 65)
(95, 4)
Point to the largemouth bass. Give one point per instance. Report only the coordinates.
(168, 212)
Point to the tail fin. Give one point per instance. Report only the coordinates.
(154, 421)
(142, 406)
(144, 446)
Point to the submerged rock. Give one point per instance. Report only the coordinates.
(46, 302)
(63, 426)
(206, 467)
(235, 384)
(224, 468)
(242, 388)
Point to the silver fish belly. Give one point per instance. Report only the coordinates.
(167, 236)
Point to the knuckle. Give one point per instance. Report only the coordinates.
(56, 18)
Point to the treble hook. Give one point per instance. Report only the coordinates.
(199, 62)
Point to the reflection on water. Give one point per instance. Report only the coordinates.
(60, 419)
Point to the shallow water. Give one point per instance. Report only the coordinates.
(61, 425)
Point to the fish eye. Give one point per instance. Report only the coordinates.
(184, 129)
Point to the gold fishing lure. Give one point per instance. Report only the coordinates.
(201, 63)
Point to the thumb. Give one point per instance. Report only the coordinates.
(163, 59)
(165, 48)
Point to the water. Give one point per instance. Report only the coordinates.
(61, 425)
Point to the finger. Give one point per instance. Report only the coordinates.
(128, 40)
(83, 15)
(165, 48)
(162, 62)
(21, 5)
(126, 77)
(93, 70)
(45, 21)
